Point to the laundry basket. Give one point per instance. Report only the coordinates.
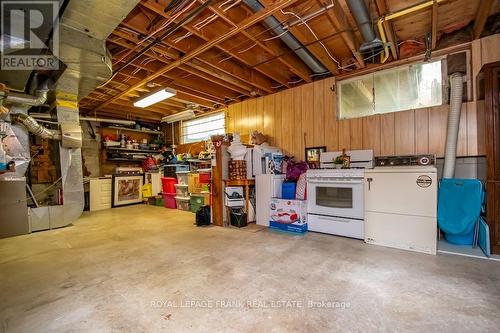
(459, 207)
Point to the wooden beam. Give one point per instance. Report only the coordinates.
(241, 26)
(483, 11)
(269, 71)
(227, 69)
(338, 19)
(383, 9)
(220, 80)
(435, 8)
(293, 63)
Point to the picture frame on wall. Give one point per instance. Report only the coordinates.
(312, 155)
(126, 189)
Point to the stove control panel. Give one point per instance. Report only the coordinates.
(407, 160)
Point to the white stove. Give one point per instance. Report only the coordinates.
(335, 198)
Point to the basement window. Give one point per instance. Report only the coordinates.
(396, 89)
(203, 128)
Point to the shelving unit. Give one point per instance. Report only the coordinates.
(133, 150)
(135, 130)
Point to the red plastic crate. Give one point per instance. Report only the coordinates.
(168, 184)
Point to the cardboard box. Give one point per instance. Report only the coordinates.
(288, 215)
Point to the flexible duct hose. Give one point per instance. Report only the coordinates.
(450, 155)
(34, 127)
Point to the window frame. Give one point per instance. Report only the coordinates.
(444, 85)
(183, 126)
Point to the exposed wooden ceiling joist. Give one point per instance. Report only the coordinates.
(338, 19)
(483, 12)
(316, 49)
(241, 26)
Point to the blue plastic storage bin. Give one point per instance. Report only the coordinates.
(288, 190)
(181, 167)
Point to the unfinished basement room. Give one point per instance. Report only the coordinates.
(250, 166)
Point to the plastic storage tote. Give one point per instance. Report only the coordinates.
(288, 190)
(168, 184)
(182, 203)
(182, 190)
(169, 170)
(182, 168)
(204, 177)
(169, 200)
(183, 177)
(197, 201)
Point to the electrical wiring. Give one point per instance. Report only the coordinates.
(231, 6)
(248, 48)
(178, 39)
(296, 81)
(170, 31)
(274, 37)
(411, 41)
(314, 34)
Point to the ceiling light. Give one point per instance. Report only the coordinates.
(184, 115)
(155, 97)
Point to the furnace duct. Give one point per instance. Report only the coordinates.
(34, 127)
(456, 92)
(362, 16)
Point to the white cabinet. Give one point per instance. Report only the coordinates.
(100, 194)
(266, 187)
(155, 179)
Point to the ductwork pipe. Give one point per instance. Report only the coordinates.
(34, 127)
(39, 99)
(289, 39)
(96, 119)
(363, 20)
(450, 155)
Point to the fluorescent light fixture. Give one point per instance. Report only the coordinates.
(184, 115)
(155, 97)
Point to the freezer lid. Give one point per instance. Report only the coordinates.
(402, 169)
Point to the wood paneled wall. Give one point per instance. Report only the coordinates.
(306, 117)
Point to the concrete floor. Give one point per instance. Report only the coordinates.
(147, 269)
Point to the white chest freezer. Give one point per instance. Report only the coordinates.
(401, 207)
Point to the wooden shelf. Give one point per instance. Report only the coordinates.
(133, 150)
(135, 130)
(123, 160)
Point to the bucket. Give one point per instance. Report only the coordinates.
(238, 218)
(169, 200)
(168, 184)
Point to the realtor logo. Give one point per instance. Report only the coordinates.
(30, 35)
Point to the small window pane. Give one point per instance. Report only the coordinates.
(201, 129)
(357, 97)
(398, 89)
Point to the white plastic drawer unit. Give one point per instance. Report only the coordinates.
(100, 194)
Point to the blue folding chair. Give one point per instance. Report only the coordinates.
(460, 202)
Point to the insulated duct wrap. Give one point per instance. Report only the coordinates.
(34, 127)
(450, 155)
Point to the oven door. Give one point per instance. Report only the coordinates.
(336, 197)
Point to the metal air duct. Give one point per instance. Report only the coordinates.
(289, 39)
(360, 13)
(34, 127)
